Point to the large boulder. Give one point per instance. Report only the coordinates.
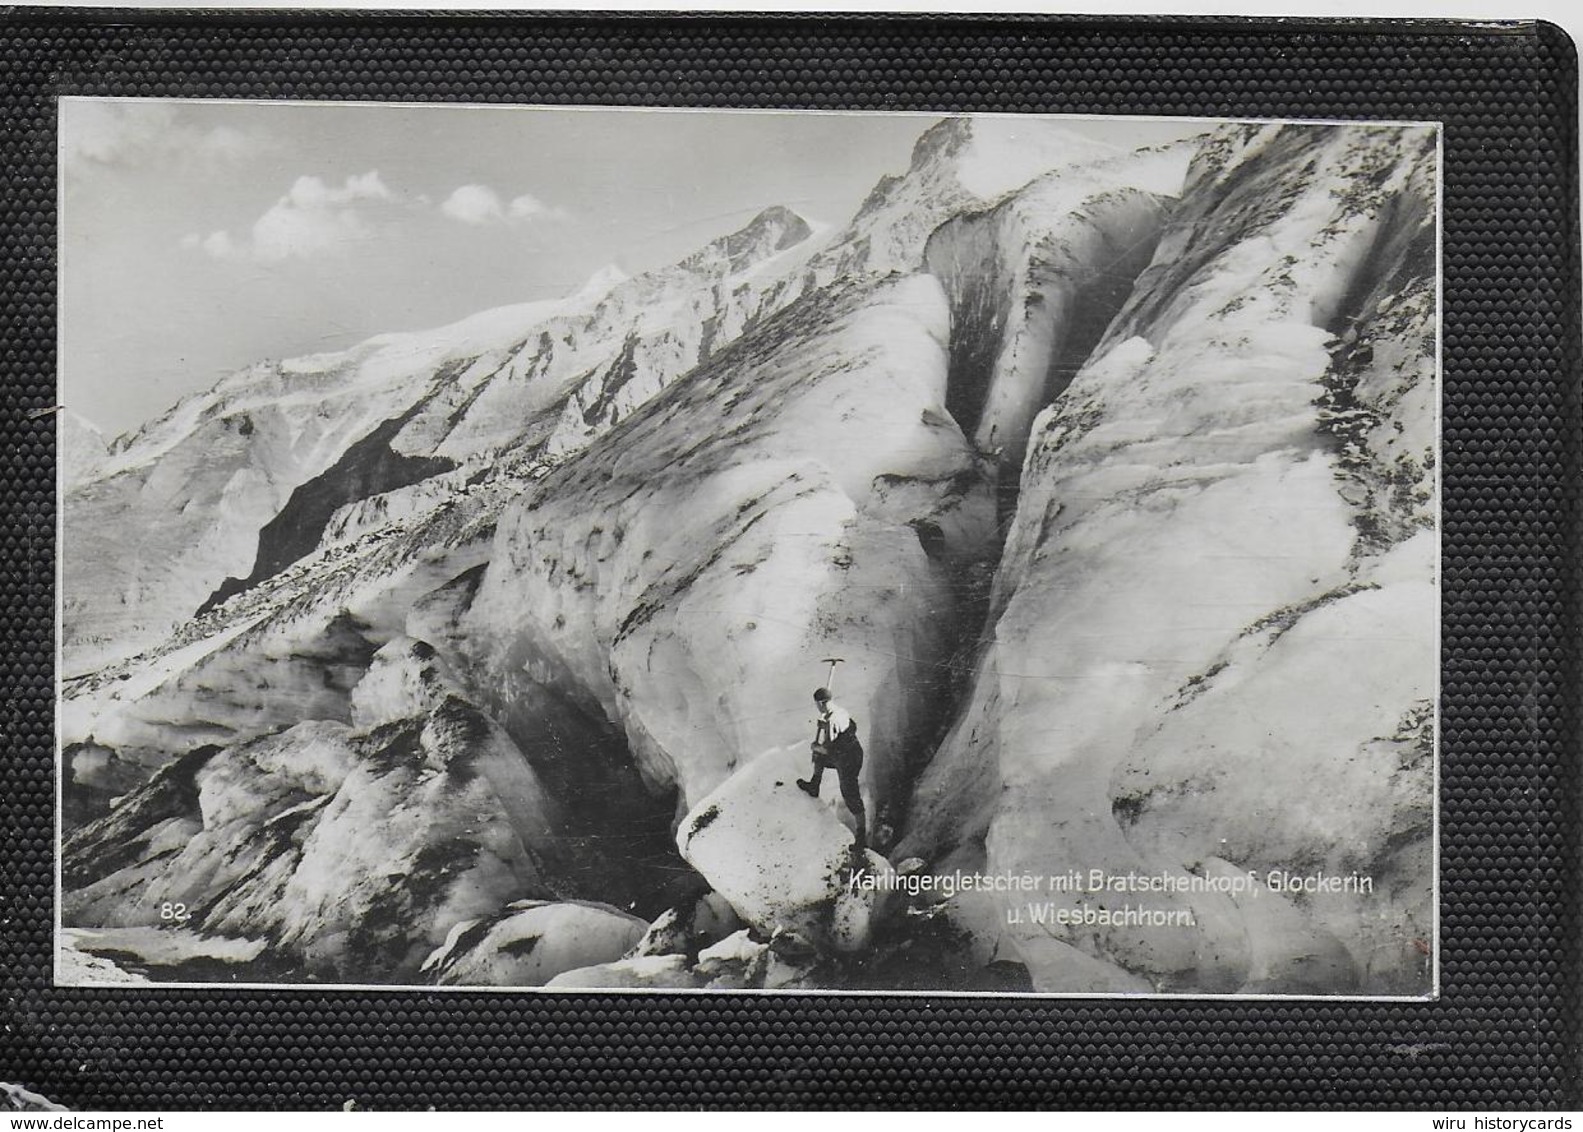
(736, 962)
(689, 926)
(639, 972)
(785, 861)
(532, 943)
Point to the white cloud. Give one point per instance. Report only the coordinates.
(316, 216)
(529, 207)
(287, 232)
(313, 217)
(473, 204)
(109, 132)
(480, 204)
(101, 134)
(219, 245)
(228, 143)
(311, 192)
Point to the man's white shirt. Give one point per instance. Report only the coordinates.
(838, 719)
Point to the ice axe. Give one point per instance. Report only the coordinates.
(832, 661)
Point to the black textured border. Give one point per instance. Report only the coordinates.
(1504, 1032)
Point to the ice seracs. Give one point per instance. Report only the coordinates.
(1215, 612)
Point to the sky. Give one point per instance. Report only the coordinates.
(200, 237)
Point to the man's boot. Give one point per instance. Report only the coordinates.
(808, 787)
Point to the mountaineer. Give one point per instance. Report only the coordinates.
(836, 746)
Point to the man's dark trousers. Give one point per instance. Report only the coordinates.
(846, 759)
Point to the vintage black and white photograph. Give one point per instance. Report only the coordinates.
(672, 550)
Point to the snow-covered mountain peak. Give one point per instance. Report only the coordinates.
(941, 142)
(992, 156)
(769, 233)
(489, 329)
(83, 448)
(601, 283)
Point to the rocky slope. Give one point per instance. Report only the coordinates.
(482, 656)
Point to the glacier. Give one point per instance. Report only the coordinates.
(482, 655)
